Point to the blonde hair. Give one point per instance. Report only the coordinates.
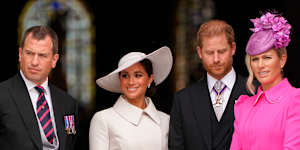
(249, 84)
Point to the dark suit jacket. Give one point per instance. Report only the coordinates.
(19, 128)
(190, 122)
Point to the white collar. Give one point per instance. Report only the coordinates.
(228, 80)
(30, 85)
(134, 114)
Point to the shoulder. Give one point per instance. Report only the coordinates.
(184, 97)
(7, 83)
(163, 115)
(293, 102)
(100, 122)
(241, 100)
(241, 85)
(60, 93)
(241, 77)
(296, 92)
(192, 88)
(164, 119)
(295, 97)
(242, 106)
(243, 103)
(103, 115)
(10, 85)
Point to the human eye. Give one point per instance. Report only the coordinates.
(43, 55)
(254, 59)
(209, 52)
(28, 53)
(124, 75)
(138, 75)
(222, 51)
(268, 57)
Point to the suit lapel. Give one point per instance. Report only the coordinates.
(23, 103)
(238, 89)
(57, 108)
(201, 104)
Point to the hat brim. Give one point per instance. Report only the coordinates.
(161, 60)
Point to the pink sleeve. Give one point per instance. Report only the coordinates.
(235, 143)
(292, 129)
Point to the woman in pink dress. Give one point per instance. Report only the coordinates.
(269, 120)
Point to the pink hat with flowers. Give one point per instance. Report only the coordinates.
(270, 31)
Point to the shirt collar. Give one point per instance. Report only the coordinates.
(30, 85)
(228, 80)
(134, 114)
(274, 94)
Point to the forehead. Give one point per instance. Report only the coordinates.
(215, 42)
(32, 42)
(137, 67)
(269, 52)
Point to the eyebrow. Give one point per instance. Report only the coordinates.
(211, 50)
(28, 50)
(133, 72)
(222, 49)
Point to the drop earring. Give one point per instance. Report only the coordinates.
(148, 86)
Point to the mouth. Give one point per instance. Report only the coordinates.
(263, 73)
(131, 89)
(218, 67)
(33, 70)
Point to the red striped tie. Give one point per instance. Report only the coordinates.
(43, 113)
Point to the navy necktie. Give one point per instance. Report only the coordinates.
(43, 113)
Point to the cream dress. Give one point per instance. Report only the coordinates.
(127, 127)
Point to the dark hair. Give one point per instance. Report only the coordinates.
(39, 33)
(147, 64)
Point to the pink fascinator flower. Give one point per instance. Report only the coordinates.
(270, 30)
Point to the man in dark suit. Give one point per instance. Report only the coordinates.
(202, 114)
(34, 114)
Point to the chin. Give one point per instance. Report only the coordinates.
(130, 96)
(265, 82)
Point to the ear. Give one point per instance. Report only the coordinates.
(20, 53)
(54, 60)
(233, 45)
(151, 79)
(199, 52)
(283, 59)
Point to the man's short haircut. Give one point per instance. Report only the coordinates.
(39, 33)
(213, 28)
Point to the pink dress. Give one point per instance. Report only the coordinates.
(269, 120)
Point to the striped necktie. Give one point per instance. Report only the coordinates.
(43, 113)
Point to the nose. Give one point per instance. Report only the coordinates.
(35, 60)
(131, 80)
(260, 63)
(216, 58)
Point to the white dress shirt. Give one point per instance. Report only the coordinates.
(127, 127)
(34, 94)
(228, 80)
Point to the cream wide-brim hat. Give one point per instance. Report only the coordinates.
(161, 60)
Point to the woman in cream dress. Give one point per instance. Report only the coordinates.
(133, 123)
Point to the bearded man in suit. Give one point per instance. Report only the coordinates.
(202, 114)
